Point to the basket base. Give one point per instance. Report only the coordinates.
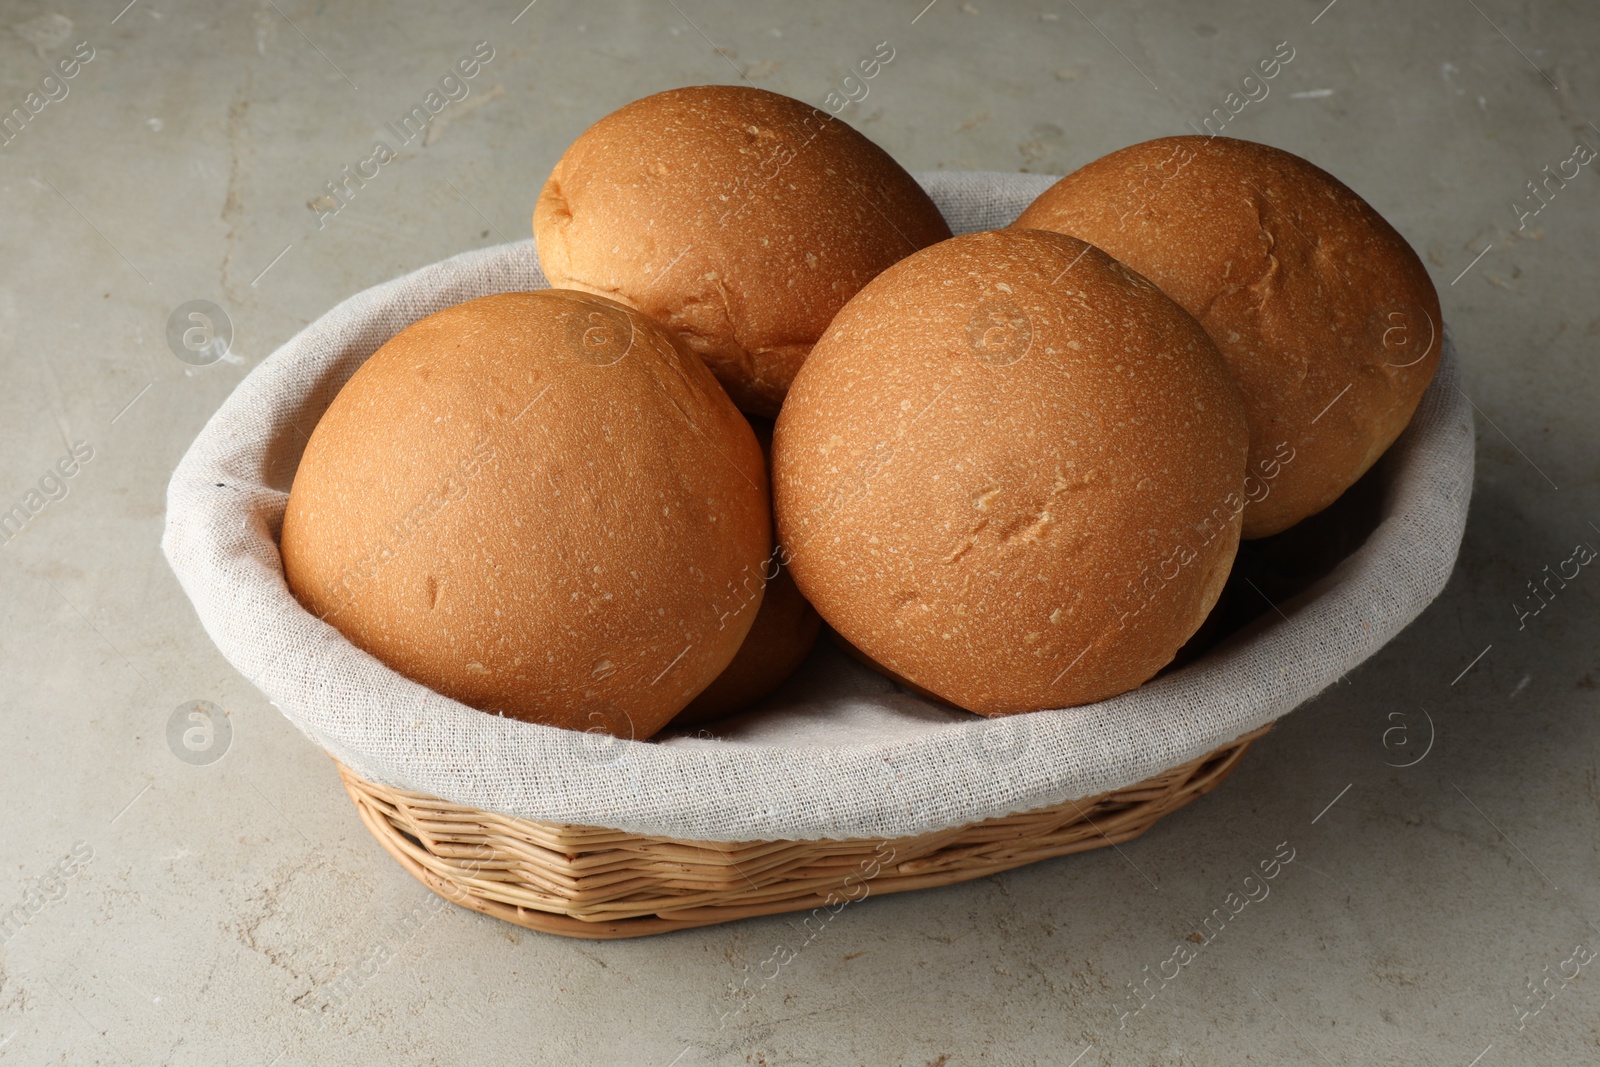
(586, 881)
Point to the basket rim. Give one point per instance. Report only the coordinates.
(223, 548)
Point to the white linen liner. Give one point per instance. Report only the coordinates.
(839, 752)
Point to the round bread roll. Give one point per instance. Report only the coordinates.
(862, 658)
(779, 640)
(1325, 315)
(534, 503)
(739, 218)
(1011, 472)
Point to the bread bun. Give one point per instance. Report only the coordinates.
(739, 218)
(1011, 473)
(867, 661)
(534, 503)
(1325, 315)
(779, 640)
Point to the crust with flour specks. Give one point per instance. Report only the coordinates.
(536, 504)
(1325, 315)
(740, 218)
(1011, 473)
(780, 638)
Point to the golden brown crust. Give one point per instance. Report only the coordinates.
(533, 503)
(1011, 473)
(867, 661)
(779, 640)
(739, 218)
(1324, 313)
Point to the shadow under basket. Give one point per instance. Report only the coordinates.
(586, 881)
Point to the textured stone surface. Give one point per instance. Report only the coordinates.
(215, 912)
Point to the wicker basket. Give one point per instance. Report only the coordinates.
(587, 881)
(819, 792)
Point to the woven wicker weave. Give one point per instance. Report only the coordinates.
(585, 881)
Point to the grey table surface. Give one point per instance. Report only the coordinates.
(172, 912)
